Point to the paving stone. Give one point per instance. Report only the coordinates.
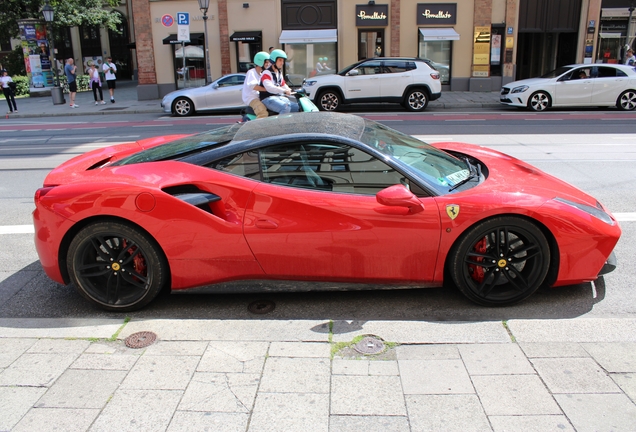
(59, 327)
(427, 352)
(11, 349)
(161, 373)
(367, 395)
(59, 346)
(614, 357)
(383, 367)
(186, 421)
(79, 388)
(514, 395)
(299, 349)
(541, 423)
(338, 423)
(15, 402)
(56, 419)
(553, 349)
(434, 377)
(598, 412)
(176, 348)
(307, 412)
(39, 370)
(574, 375)
(627, 383)
(495, 359)
(574, 330)
(295, 375)
(105, 361)
(461, 413)
(114, 347)
(138, 410)
(247, 357)
(218, 392)
(350, 367)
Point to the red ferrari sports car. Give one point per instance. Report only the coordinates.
(318, 197)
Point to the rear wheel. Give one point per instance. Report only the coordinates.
(627, 100)
(500, 261)
(116, 266)
(416, 100)
(183, 107)
(539, 101)
(329, 100)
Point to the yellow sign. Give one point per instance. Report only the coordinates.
(481, 71)
(481, 45)
(510, 42)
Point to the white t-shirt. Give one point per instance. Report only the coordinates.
(106, 67)
(251, 79)
(5, 80)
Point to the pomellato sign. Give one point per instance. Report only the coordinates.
(436, 13)
(372, 15)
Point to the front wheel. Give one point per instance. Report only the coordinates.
(416, 100)
(627, 100)
(183, 107)
(116, 266)
(500, 261)
(329, 100)
(539, 101)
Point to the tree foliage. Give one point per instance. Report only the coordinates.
(68, 13)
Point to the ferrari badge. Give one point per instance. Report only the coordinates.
(452, 210)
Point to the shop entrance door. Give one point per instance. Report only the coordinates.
(370, 43)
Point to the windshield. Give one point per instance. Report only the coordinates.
(184, 146)
(438, 168)
(557, 72)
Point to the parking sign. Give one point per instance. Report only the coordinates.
(183, 26)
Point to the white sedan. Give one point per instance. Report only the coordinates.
(597, 84)
(222, 94)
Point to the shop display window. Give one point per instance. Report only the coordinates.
(308, 60)
(439, 52)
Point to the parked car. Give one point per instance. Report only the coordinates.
(222, 94)
(318, 197)
(410, 82)
(581, 85)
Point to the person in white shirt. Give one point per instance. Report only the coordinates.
(5, 79)
(251, 85)
(110, 69)
(629, 58)
(96, 84)
(275, 87)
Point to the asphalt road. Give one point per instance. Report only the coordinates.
(593, 150)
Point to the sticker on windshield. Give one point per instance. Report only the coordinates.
(458, 176)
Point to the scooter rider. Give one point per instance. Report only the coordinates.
(275, 88)
(252, 87)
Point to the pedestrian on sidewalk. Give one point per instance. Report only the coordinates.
(71, 77)
(96, 85)
(110, 70)
(8, 88)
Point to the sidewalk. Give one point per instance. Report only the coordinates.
(302, 375)
(127, 103)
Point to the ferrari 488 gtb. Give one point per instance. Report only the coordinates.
(318, 197)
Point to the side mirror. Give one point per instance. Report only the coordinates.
(353, 72)
(399, 196)
(215, 86)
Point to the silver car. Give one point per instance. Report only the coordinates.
(222, 94)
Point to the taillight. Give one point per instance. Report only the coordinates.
(435, 75)
(40, 193)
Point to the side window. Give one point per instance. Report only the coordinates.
(327, 167)
(606, 72)
(620, 73)
(395, 67)
(243, 164)
(370, 68)
(231, 81)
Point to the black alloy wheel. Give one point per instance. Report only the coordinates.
(416, 100)
(182, 107)
(329, 100)
(500, 261)
(116, 266)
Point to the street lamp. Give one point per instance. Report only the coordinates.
(56, 91)
(204, 5)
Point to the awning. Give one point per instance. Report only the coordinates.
(246, 36)
(195, 39)
(308, 36)
(610, 35)
(439, 34)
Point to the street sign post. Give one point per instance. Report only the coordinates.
(183, 26)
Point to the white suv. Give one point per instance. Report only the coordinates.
(410, 82)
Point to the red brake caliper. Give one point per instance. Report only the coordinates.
(477, 272)
(139, 262)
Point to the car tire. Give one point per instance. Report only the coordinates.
(627, 100)
(416, 100)
(500, 261)
(539, 101)
(116, 266)
(329, 100)
(182, 107)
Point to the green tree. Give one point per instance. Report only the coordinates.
(68, 13)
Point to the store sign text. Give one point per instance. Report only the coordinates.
(372, 15)
(440, 14)
(436, 13)
(375, 16)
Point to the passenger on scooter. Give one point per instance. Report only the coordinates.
(275, 88)
(252, 87)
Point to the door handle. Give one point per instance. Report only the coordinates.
(266, 224)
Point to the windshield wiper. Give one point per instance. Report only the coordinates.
(474, 173)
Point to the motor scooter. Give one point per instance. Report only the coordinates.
(304, 104)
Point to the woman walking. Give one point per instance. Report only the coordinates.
(7, 89)
(96, 85)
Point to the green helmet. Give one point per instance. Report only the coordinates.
(259, 58)
(276, 54)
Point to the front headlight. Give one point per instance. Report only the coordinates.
(594, 211)
(310, 83)
(519, 89)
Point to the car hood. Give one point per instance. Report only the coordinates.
(529, 82)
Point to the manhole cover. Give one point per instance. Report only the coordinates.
(369, 345)
(140, 339)
(261, 306)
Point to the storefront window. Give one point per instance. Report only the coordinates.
(370, 44)
(439, 52)
(190, 66)
(308, 60)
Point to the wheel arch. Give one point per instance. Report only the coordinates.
(331, 87)
(416, 86)
(71, 233)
